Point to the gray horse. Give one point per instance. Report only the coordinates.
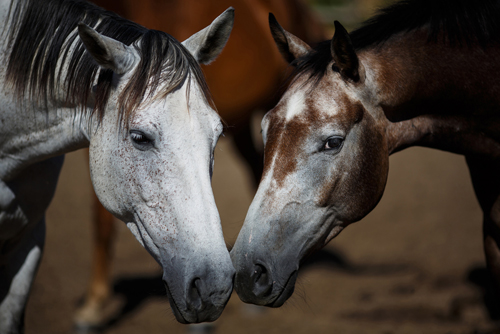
(74, 76)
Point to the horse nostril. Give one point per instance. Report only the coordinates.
(262, 281)
(194, 295)
(259, 273)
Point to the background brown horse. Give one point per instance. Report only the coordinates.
(244, 79)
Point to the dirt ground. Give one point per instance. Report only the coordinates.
(414, 265)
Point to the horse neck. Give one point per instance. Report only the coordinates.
(31, 131)
(34, 129)
(32, 134)
(435, 95)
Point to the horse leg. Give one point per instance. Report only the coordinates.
(242, 136)
(486, 180)
(90, 313)
(19, 261)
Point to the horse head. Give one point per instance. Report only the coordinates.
(325, 166)
(151, 159)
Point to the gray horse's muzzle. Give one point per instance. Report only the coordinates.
(200, 296)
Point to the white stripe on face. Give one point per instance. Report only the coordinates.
(295, 105)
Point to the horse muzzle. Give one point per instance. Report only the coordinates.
(203, 298)
(256, 283)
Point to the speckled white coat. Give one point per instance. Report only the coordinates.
(161, 189)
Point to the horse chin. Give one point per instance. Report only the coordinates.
(173, 305)
(286, 292)
(177, 313)
(193, 318)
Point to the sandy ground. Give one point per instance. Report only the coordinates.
(414, 265)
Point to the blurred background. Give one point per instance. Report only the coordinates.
(414, 265)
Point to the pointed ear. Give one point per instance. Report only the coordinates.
(290, 46)
(343, 53)
(208, 43)
(107, 52)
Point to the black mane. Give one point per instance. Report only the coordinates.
(456, 22)
(41, 34)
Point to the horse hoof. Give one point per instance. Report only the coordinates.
(82, 327)
(89, 320)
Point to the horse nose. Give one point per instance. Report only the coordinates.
(255, 285)
(204, 298)
(193, 297)
(262, 282)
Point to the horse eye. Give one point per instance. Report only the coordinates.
(139, 139)
(333, 143)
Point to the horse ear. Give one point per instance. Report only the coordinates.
(290, 46)
(344, 54)
(107, 52)
(207, 44)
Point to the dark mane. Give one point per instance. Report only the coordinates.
(456, 22)
(42, 33)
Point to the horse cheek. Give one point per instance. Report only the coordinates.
(359, 176)
(373, 171)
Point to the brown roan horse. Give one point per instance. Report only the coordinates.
(419, 73)
(245, 78)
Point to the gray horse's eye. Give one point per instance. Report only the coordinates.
(333, 144)
(140, 140)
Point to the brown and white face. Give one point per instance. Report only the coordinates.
(325, 166)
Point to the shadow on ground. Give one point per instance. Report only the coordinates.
(481, 277)
(135, 291)
(132, 292)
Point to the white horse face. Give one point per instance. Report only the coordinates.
(154, 173)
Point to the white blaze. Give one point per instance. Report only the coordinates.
(295, 105)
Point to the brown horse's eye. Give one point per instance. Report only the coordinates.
(333, 143)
